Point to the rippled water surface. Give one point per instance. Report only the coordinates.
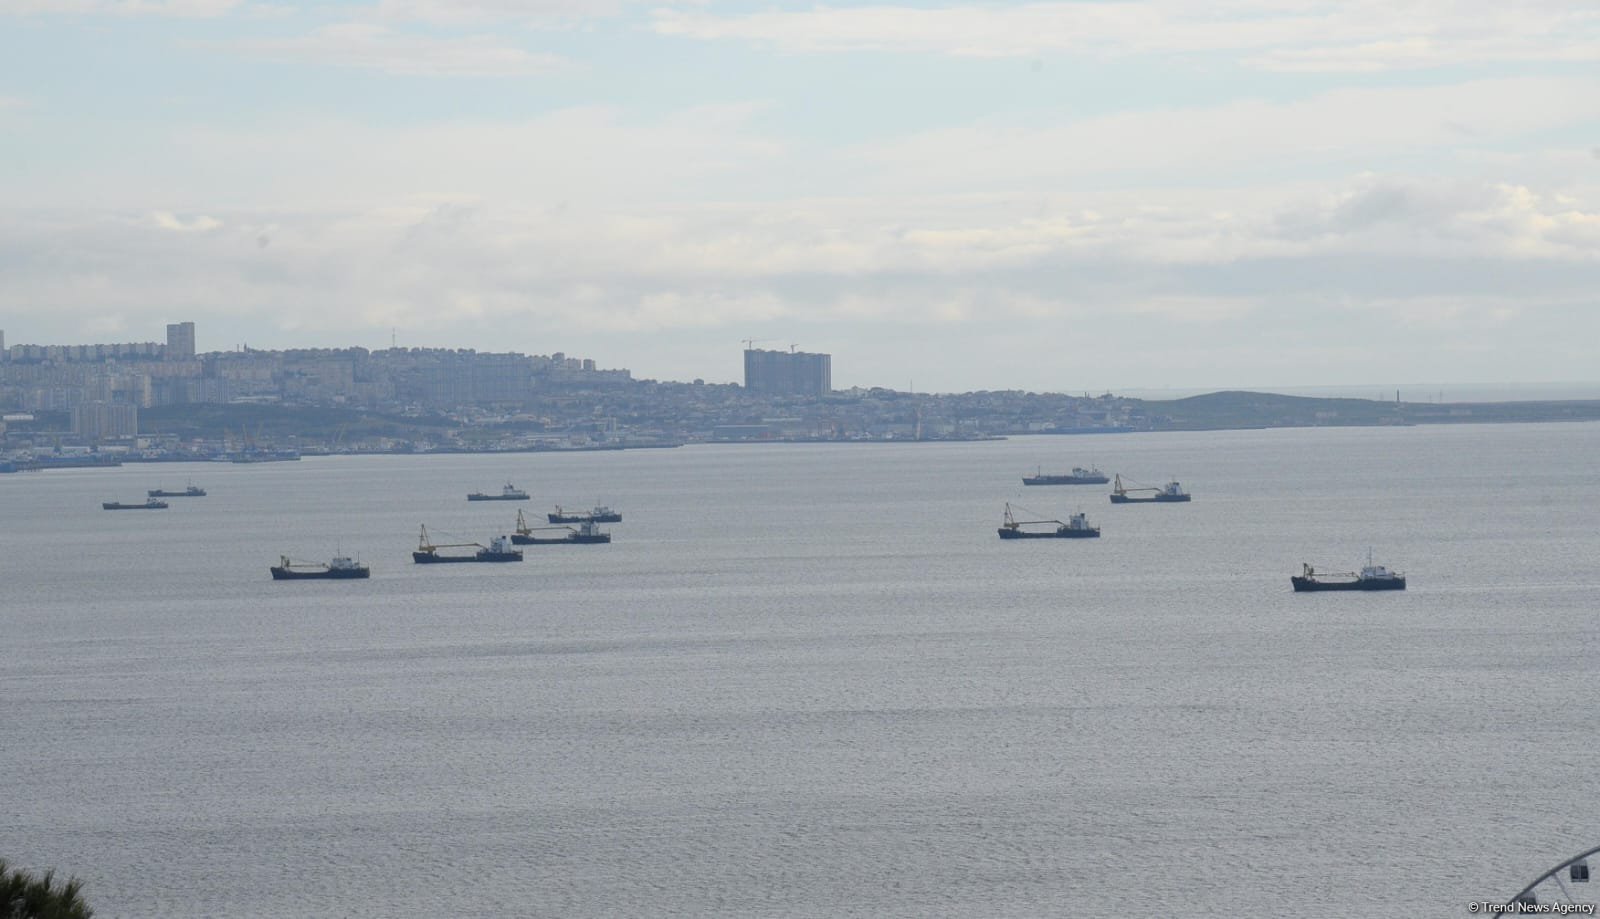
(810, 681)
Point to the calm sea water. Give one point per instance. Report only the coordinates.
(810, 681)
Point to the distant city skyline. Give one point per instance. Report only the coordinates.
(1409, 390)
(1045, 196)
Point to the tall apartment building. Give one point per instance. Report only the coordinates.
(180, 341)
(796, 373)
(101, 420)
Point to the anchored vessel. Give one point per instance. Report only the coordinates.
(1169, 492)
(150, 505)
(193, 491)
(1079, 476)
(508, 493)
(1076, 527)
(341, 568)
(600, 514)
(585, 532)
(1370, 577)
(498, 550)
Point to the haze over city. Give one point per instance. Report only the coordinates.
(1048, 196)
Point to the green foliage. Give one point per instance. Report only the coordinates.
(23, 896)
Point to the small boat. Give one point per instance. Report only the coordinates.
(1170, 492)
(1076, 527)
(1370, 577)
(341, 568)
(498, 550)
(193, 491)
(508, 493)
(600, 514)
(582, 534)
(1079, 476)
(151, 505)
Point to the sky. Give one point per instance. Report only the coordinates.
(957, 196)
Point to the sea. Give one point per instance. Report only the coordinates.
(809, 680)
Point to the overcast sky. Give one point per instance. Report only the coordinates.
(1048, 196)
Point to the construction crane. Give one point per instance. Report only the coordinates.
(750, 343)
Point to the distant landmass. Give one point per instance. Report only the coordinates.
(1407, 392)
(1225, 410)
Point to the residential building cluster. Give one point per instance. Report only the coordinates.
(103, 386)
(427, 399)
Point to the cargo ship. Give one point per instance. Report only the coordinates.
(1076, 527)
(1370, 577)
(585, 533)
(508, 493)
(600, 514)
(193, 491)
(261, 456)
(1079, 476)
(151, 505)
(1170, 492)
(341, 568)
(498, 550)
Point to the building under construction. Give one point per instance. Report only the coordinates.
(791, 373)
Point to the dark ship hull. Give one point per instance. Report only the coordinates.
(573, 539)
(476, 497)
(280, 573)
(147, 506)
(1065, 480)
(584, 518)
(1008, 533)
(433, 558)
(1304, 585)
(158, 493)
(1157, 499)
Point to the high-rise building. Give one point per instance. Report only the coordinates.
(180, 341)
(102, 420)
(793, 373)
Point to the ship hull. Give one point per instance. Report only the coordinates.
(1064, 480)
(430, 558)
(1057, 534)
(113, 506)
(315, 574)
(497, 497)
(561, 540)
(584, 518)
(176, 494)
(1309, 585)
(1158, 499)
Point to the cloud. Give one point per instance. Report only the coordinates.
(178, 9)
(1444, 266)
(699, 266)
(198, 224)
(585, 156)
(1440, 219)
(376, 47)
(457, 13)
(1270, 34)
(1190, 145)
